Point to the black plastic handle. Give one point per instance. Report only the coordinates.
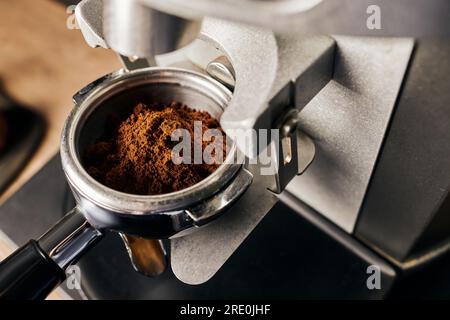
(29, 274)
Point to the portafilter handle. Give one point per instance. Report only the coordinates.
(38, 267)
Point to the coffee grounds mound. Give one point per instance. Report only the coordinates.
(136, 155)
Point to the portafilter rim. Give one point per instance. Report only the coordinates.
(92, 96)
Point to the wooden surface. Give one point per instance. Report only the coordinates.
(42, 64)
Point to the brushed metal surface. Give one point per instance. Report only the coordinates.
(264, 65)
(347, 121)
(195, 258)
(413, 172)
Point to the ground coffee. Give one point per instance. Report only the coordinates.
(135, 156)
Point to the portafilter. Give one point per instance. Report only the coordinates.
(35, 269)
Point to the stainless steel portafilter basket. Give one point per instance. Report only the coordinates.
(98, 207)
(159, 216)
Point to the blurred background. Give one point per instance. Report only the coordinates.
(43, 61)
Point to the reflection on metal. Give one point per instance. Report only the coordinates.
(147, 255)
(69, 239)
